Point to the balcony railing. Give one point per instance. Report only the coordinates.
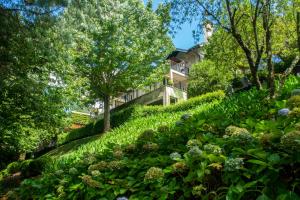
(180, 67)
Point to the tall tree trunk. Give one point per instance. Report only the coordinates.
(268, 40)
(253, 66)
(233, 30)
(298, 29)
(106, 113)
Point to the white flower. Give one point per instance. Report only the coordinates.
(122, 198)
(214, 149)
(195, 152)
(233, 164)
(175, 156)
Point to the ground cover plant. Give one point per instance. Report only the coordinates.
(244, 147)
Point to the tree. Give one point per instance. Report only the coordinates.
(250, 23)
(119, 43)
(206, 76)
(31, 109)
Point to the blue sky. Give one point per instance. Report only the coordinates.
(184, 37)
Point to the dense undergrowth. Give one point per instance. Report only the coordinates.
(237, 148)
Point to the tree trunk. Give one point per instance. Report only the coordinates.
(268, 38)
(298, 29)
(106, 113)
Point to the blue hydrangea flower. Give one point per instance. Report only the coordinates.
(283, 112)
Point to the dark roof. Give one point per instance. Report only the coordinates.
(175, 52)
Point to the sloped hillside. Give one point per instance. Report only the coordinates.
(242, 147)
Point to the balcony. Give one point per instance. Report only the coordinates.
(180, 67)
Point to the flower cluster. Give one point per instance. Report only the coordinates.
(150, 147)
(193, 143)
(89, 159)
(130, 148)
(73, 171)
(197, 190)
(233, 164)
(118, 154)
(179, 167)
(122, 198)
(154, 173)
(95, 173)
(59, 172)
(99, 166)
(217, 166)
(294, 101)
(195, 152)
(283, 112)
(291, 140)
(115, 165)
(240, 135)
(175, 156)
(233, 130)
(88, 180)
(295, 112)
(214, 149)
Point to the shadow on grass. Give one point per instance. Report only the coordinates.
(71, 146)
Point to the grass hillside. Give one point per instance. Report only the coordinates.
(245, 146)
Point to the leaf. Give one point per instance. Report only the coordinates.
(263, 197)
(258, 162)
(288, 196)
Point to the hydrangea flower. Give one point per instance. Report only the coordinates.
(234, 130)
(73, 171)
(59, 172)
(283, 112)
(233, 164)
(95, 173)
(214, 149)
(87, 180)
(122, 198)
(118, 154)
(154, 173)
(291, 140)
(115, 165)
(195, 152)
(197, 190)
(192, 143)
(99, 166)
(151, 147)
(130, 148)
(240, 135)
(179, 167)
(175, 156)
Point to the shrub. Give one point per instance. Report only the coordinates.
(32, 167)
(13, 167)
(294, 101)
(291, 140)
